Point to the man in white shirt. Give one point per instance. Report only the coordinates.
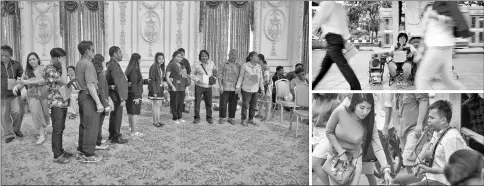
(331, 18)
(439, 43)
(445, 141)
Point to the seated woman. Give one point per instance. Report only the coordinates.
(348, 128)
(300, 79)
(465, 168)
(402, 45)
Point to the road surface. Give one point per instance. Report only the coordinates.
(469, 68)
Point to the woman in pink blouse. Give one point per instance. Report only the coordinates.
(351, 126)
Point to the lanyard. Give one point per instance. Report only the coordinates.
(11, 68)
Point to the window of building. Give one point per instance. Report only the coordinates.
(481, 22)
(387, 24)
(473, 22)
(387, 38)
(472, 39)
(480, 37)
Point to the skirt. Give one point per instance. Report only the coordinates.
(131, 107)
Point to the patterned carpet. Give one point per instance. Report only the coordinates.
(201, 154)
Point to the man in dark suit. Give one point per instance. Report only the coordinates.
(118, 91)
(186, 64)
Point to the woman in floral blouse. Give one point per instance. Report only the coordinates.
(55, 76)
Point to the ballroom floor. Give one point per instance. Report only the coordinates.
(206, 154)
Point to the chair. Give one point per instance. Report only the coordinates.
(301, 99)
(190, 95)
(282, 90)
(265, 103)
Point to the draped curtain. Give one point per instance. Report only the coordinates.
(305, 50)
(241, 19)
(215, 18)
(70, 29)
(214, 28)
(81, 20)
(93, 25)
(11, 27)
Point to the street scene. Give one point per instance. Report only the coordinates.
(395, 113)
(375, 28)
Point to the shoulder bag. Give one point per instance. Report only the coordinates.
(340, 173)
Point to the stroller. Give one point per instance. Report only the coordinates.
(376, 67)
(400, 58)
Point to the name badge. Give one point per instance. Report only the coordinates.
(11, 83)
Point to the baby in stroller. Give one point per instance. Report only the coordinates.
(402, 61)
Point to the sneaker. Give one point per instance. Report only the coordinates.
(119, 140)
(182, 121)
(243, 123)
(221, 121)
(176, 121)
(10, 139)
(91, 159)
(19, 134)
(137, 134)
(61, 160)
(232, 121)
(196, 121)
(67, 154)
(210, 121)
(103, 141)
(41, 140)
(101, 147)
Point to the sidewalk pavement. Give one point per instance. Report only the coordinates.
(457, 51)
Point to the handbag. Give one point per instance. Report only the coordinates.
(211, 79)
(349, 51)
(340, 173)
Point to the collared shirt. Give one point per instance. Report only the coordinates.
(13, 70)
(250, 78)
(228, 75)
(55, 97)
(451, 142)
(86, 73)
(438, 32)
(199, 74)
(331, 17)
(176, 71)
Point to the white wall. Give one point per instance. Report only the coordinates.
(288, 48)
(177, 23)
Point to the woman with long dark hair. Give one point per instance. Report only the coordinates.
(55, 76)
(97, 61)
(177, 85)
(156, 87)
(135, 91)
(249, 83)
(37, 95)
(323, 106)
(204, 69)
(351, 126)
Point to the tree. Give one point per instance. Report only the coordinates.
(365, 14)
(469, 3)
